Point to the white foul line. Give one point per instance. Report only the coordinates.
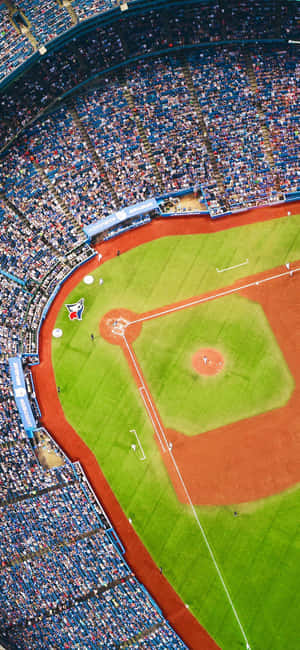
(220, 294)
(229, 268)
(139, 444)
(169, 449)
(141, 389)
(144, 388)
(209, 549)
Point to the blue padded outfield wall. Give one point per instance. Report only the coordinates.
(21, 397)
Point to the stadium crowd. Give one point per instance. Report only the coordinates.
(21, 473)
(15, 48)
(160, 92)
(140, 143)
(58, 147)
(14, 301)
(30, 527)
(61, 575)
(66, 572)
(278, 78)
(120, 616)
(30, 194)
(113, 131)
(30, 257)
(10, 426)
(232, 120)
(87, 8)
(210, 21)
(47, 18)
(131, 36)
(159, 126)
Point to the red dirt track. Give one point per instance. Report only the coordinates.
(54, 420)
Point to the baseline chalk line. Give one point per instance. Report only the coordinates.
(143, 387)
(229, 268)
(151, 416)
(219, 294)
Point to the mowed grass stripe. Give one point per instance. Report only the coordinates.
(254, 379)
(262, 581)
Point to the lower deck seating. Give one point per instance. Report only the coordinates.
(277, 75)
(233, 124)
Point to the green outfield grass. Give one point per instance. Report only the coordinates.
(254, 379)
(258, 551)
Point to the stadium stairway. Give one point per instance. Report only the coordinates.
(202, 129)
(22, 25)
(56, 195)
(49, 549)
(27, 32)
(222, 7)
(85, 136)
(130, 100)
(11, 206)
(142, 635)
(20, 21)
(120, 30)
(262, 118)
(68, 6)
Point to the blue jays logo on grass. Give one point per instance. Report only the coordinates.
(75, 310)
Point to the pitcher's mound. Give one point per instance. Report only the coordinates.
(208, 361)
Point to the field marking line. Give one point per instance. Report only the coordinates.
(169, 450)
(144, 387)
(220, 294)
(229, 268)
(139, 443)
(209, 549)
(141, 389)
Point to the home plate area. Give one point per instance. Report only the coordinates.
(118, 326)
(115, 323)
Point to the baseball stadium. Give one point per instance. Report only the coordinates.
(149, 324)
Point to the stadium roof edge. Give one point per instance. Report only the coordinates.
(85, 26)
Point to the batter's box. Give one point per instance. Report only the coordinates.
(118, 326)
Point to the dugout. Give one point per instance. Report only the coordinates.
(125, 219)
